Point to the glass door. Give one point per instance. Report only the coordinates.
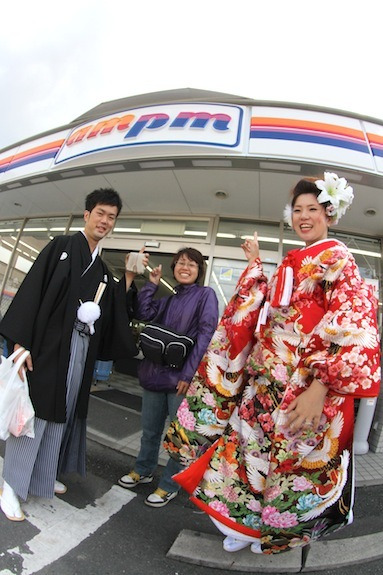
(225, 275)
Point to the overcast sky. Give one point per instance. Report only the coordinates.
(60, 59)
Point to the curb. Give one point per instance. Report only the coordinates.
(206, 550)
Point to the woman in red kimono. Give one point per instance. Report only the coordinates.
(266, 428)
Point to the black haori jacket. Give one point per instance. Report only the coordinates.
(42, 314)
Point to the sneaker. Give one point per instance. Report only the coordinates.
(133, 478)
(160, 497)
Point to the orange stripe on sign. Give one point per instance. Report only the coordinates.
(375, 139)
(304, 124)
(37, 150)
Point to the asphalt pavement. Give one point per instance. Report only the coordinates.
(98, 527)
(359, 543)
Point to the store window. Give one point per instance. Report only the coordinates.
(197, 229)
(366, 251)
(16, 260)
(225, 275)
(234, 232)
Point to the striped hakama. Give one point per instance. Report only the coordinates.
(31, 465)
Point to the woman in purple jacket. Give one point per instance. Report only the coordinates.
(192, 311)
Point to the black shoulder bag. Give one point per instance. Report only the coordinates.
(164, 346)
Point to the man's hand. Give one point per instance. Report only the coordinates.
(129, 274)
(28, 364)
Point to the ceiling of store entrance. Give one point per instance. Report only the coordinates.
(243, 188)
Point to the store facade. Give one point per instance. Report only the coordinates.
(193, 168)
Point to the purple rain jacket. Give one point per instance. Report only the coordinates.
(192, 311)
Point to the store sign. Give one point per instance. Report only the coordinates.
(374, 135)
(309, 136)
(191, 124)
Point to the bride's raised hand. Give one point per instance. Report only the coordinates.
(251, 248)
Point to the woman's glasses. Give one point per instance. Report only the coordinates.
(186, 264)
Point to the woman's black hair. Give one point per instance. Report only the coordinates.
(193, 255)
(306, 186)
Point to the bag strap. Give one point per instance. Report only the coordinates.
(159, 316)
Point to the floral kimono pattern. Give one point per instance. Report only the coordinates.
(246, 469)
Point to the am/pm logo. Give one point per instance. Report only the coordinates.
(213, 125)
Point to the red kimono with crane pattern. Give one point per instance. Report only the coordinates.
(245, 467)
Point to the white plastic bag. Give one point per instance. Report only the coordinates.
(16, 409)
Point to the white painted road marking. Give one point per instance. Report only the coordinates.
(54, 517)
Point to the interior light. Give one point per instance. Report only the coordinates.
(228, 236)
(294, 242)
(127, 230)
(164, 282)
(195, 233)
(262, 239)
(35, 229)
(28, 246)
(7, 244)
(365, 253)
(213, 274)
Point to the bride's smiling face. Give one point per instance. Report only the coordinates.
(309, 219)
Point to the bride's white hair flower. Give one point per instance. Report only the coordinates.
(288, 215)
(336, 191)
(333, 190)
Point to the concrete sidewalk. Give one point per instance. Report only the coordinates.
(114, 421)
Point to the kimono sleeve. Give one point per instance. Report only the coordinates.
(345, 345)
(118, 341)
(218, 382)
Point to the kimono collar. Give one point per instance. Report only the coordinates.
(94, 254)
(283, 287)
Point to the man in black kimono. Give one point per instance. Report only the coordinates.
(48, 317)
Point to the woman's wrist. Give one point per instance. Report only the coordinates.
(320, 388)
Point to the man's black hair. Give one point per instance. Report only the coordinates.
(106, 196)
